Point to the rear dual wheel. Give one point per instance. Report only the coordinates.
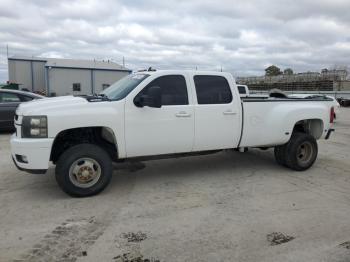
(299, 153)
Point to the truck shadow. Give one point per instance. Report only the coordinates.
(225, 160)
(226, 163)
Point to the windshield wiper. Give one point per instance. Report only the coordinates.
(95, 97)
(102, 97)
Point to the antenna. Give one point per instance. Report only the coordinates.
(7, 50)
(123, 61)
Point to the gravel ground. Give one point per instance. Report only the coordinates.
(227, 206)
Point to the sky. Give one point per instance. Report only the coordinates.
(241, 37)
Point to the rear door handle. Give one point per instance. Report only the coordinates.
(182, 114)
(229, 112)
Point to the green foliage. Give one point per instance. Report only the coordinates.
(288, 71)
(273, 71)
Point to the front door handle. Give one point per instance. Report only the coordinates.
(229, 112)
(182, 114)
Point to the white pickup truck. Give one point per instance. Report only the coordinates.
(157, 114)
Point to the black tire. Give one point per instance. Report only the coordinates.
(99, 162)
(301, 151)
(280, 155)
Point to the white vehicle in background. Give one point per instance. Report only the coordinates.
(161, 114)
(334, 103)
(243, 90)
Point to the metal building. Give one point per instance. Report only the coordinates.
(55, 76)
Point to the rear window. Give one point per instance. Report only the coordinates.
(241, 89)
(9, 98)
(212, 90)
(26, 98)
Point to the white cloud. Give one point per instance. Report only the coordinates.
(242, 37)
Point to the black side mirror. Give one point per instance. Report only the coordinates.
(153, 98)
(139, 100)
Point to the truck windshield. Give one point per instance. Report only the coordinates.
(124, 86)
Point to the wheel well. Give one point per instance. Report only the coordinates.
(313, 127)
(101, 136)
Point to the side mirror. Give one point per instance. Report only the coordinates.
(139, 100)
(153, 98)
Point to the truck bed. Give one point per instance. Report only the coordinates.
(268, 121)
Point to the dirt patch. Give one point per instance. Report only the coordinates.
(129, 257)
(277, 238)
(134, 237)
(66, 242)
(130, 244)
(345, 245)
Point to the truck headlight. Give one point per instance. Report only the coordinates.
(34, 127)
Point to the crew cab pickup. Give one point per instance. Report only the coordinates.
(158, 114)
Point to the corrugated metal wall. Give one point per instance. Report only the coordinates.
(34, 76)
(30, 74)
(61, 81)
(39, 76)
(106, 77)
(20, 72)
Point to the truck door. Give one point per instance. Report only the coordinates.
(217, 113)
(165, 130)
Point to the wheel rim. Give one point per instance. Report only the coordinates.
(85, 172)
(305, 152)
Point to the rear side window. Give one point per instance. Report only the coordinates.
(212, 90)
(9, 98)
(241, 89)
(26, 98)
(174, 89)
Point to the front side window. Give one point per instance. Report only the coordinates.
(26, 98)
(124, 86)
(9, 98)
(173, 88)
(212, 89)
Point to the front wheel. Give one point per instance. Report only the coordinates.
(84, 170)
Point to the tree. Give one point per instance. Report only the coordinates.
(288, 71)
(272, 71)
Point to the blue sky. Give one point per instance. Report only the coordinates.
(242, 37)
